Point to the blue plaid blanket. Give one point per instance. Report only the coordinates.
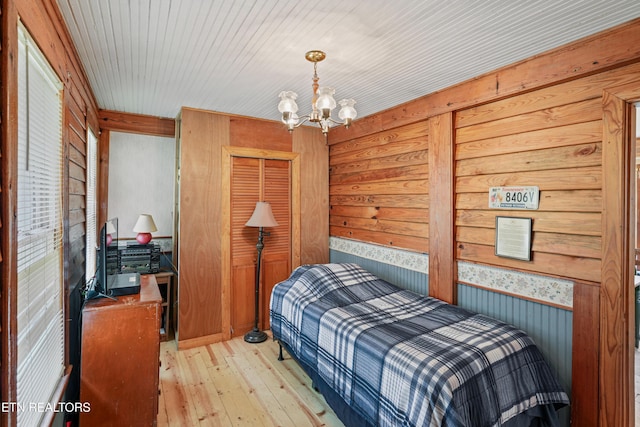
(401, 359)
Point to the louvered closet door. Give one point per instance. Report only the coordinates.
(255, 180)
(276, 261)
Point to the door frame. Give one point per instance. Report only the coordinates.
(616, 367)
(228, 152)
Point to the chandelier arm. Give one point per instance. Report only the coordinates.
(330, 119)
(303, 120)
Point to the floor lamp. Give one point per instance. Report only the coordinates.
(262, 217)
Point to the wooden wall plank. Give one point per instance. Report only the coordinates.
(384, 212)
(391, 136)
(9, 172)
(574, 156)
(314, 195)
(411, 158)
(568, 244)
(402, 173)
(392, 187)
(412, 243)
(382, 225)
(582, 223)
(260, 134)
(397, 147)
(586, 336)
(573, 134)
(200, 259)
(103, 176)
(618, 221)
(561, 115)
(589, 178)
(442, 266)
(400, 201)
(136, 123)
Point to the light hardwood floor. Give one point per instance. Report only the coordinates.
(234, 383)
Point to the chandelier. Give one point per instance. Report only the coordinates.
(322, 103)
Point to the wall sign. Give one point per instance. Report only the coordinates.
(513, 237)
(514, 197)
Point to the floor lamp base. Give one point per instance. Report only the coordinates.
(255, 336)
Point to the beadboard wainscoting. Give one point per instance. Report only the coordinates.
(408, 270)
(550, 327)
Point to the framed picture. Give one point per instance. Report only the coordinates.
(513, 237)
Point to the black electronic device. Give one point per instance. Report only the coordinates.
(108, 282)
(142, 259)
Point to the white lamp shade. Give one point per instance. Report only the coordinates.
(145, 224)
(288, 102)
(347, 110)
(325, 98)
(262, 216)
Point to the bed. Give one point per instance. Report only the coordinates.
(384, 356)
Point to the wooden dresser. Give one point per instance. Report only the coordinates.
(120, 358)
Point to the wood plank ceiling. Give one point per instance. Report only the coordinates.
(154, 56)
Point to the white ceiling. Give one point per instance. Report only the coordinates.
(235, 56)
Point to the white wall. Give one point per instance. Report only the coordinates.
(141, 180)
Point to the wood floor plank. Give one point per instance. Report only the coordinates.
(174, 403)
(311, 404)
(302, 386)
(205, 396)
(234, 383)
(277, 394)
(237, 395)
(251, 374)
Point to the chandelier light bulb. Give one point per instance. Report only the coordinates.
(347, 111)
(288, 102)
(325, 98)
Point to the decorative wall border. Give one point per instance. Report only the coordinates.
(544, 289)
(397, 257)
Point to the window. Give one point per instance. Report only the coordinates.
(40, 320)
(91, 209)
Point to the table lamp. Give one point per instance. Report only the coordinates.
(144, 227)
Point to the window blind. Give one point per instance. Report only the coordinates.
(40, 322)
(91, 208)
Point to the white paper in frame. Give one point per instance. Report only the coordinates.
(513, 237)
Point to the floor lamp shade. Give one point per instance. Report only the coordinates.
(144, 227)
(262, 217)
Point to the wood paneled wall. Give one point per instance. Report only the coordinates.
(552, 139)
(539, 122)
(205, 264)
(44, 23)
(378, 188)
